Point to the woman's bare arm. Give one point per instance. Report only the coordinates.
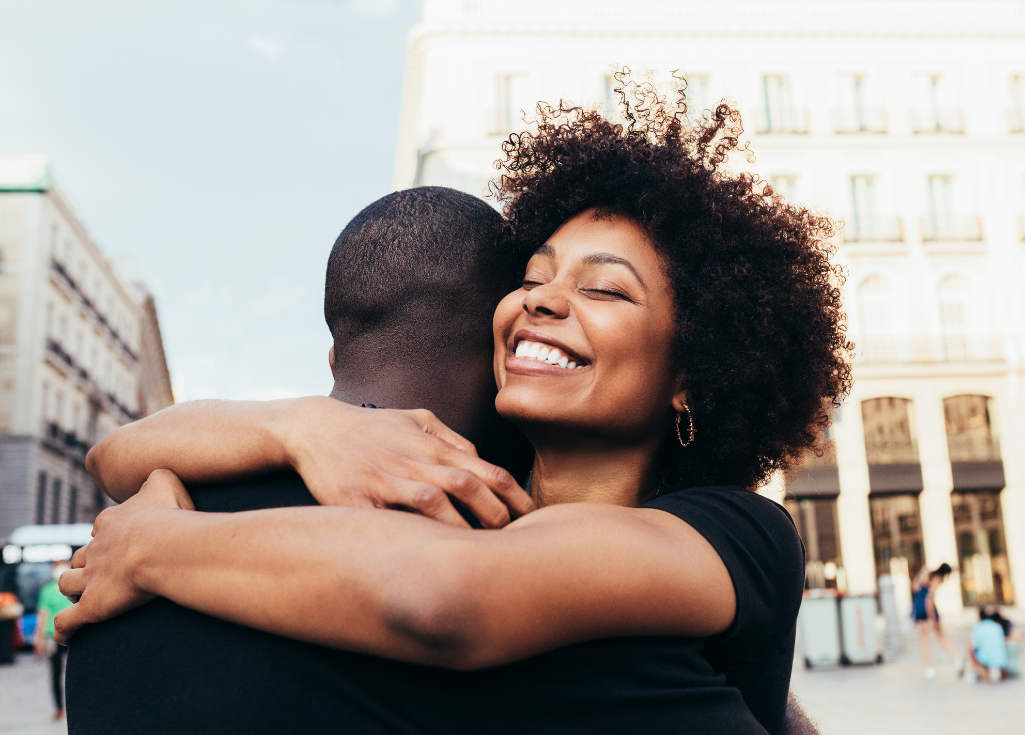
(346, 455)
(401, 586)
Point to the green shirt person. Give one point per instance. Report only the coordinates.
(51, 602)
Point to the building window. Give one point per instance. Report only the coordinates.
(509, 98)
(879, 339)
(777, 113)
(55, 510)
(970, 433)
(73, 505)
(1017, 111)
(41, 499)
(699, 95)
(936, 112)
(785, 185)
(888, 434)
(982, 553)
(856, 114)
(897, 535)
(942, 222)
(816, 521)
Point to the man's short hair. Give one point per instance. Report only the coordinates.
(423, 261)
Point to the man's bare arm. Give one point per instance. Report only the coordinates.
(346, 455)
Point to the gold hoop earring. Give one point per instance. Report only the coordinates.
(690, 428)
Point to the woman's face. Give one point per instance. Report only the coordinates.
(587, 342)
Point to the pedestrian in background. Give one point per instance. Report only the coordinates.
(926, 616)
(988, 651)
(51, 602)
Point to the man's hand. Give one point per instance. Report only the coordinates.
(100, 581)
(395, 459)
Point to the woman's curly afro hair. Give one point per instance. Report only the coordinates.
(761, 344)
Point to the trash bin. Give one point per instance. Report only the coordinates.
(819, 628)
(858, 630)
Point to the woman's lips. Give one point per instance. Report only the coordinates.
(528, 366)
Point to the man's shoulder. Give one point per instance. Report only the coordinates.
(272, 490)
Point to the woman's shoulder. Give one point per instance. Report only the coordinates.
(756, 539)
(727, 502)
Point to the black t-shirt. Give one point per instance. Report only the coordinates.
(163, 668)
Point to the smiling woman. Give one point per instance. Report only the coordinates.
(652, 590)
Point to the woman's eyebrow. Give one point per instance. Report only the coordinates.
(609, 258)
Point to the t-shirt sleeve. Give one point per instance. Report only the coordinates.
(760, 547)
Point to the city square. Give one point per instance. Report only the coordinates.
(172, 260)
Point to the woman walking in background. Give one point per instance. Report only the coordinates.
(925, 615)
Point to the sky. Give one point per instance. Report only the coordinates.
(221, 145)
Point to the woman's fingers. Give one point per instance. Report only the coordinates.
(78, 558)
(428, 500)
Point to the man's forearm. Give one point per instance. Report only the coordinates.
(198, 441)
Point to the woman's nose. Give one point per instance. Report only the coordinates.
(546, 300)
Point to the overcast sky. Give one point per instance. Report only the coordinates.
(221, 145)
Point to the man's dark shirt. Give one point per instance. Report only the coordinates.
(163, 668)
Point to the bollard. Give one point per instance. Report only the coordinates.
(894, 643)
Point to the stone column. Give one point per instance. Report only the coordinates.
(852, 504)
(937, 483)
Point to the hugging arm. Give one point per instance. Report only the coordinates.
(346, 456)
(402, 586)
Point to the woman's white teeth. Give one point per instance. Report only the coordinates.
(544, 353)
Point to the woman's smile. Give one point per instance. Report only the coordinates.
(534, 353)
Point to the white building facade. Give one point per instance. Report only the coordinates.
(76, 347)
(903, 118)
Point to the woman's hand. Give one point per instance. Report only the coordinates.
(101, 582)
(384, 458)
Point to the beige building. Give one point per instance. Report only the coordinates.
(906, 119)
(80, 351)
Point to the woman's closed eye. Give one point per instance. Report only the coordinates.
(607, 292)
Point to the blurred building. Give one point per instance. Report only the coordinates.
(904, 118)
(80, 351)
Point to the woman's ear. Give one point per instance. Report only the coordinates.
(680, 402)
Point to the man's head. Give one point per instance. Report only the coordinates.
(412, 285)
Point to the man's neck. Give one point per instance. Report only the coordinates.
(461, 396)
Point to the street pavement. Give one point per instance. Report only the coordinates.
(893, 697)
(25, 702)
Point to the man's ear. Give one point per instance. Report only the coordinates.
(331, 359)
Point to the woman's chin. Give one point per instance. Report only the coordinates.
(530, 407)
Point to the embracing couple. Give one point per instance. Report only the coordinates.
(665, 333)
